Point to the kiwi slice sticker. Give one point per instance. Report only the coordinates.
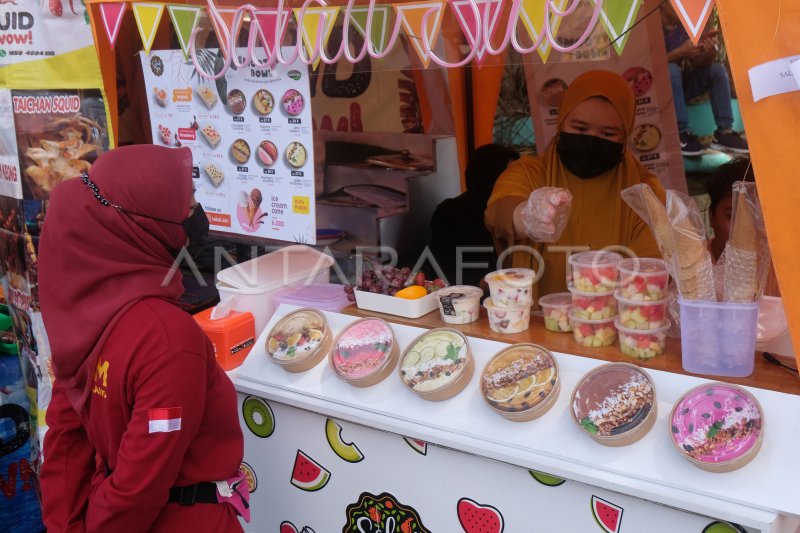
(723, 527)
(258, 417)
(546, 479)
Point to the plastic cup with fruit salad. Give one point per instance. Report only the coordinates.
(643, 279)
(593, 305)
(593, 333)
(512, 287)
(460, 304)
(640, 314)
(555, 308)
(595, 271)
(507, 319)
(642, 345)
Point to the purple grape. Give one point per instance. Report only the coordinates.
(367, 284)
(392, 292)
(374, 289)
(348, 289)
(397, 283)
(351, 297)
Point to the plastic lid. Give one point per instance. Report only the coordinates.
(578, 320)
(519, 378)
(559, 299)
(612, 400)
(275, 269)
(772, 321)
(628, 331)
(627, 301)
(597, 258)
(362, 348)
(434, 360)
(516, 277)
(642, 265)
(716, 423)
(297, 337)
(573, 290)
(459, 291)
(313, 295)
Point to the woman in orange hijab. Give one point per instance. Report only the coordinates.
(568, 198)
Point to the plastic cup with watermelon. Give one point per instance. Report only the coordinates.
(593, 305)
(593, 333)
(642, 315)
(512, 287)
(595, 271)
(643, 279)
(555, 308)
(642, 345)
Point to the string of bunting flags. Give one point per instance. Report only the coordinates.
(421, 21)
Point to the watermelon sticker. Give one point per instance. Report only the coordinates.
(258, 417)
(346, 450)
(546, 479)
(723, 527)
(477, 518)
(607, 515)
(288, 527)
(419, 446)
(309, 475)
(382, 514)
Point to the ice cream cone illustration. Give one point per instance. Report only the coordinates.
(254, 202)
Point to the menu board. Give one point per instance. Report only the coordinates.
(251, 136)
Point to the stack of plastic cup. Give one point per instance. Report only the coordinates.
(510, 301)
(642, 301)
(594, 308)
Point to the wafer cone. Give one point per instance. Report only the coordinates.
(659, 223)
(744, 234)
(251, 213)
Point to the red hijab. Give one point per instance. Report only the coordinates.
(96, 262)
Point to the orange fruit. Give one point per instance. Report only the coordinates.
(412, 292)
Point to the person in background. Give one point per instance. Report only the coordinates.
(720, 192)
(142, 420)
(693, 71)
(579, 176)
(458, 222)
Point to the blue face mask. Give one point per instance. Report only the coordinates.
(588, 156)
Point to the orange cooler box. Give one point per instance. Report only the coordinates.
(232, 336)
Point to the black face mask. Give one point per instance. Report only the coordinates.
(588, 156)
(196, 228)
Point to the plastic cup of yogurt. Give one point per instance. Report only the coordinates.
(593, 333)
(507, 319)
(437, 365)
(459, 304)
(555, 308)
(642, 345)
(593, 305)
(717, 426)
(643, 279)
(299, 340)
(512, 287)
(365, 352)
(595, 271)
(638, 314)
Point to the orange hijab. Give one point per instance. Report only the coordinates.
(599, 217)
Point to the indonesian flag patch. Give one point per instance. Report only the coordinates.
(164, 419)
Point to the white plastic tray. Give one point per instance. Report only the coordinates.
(396, 306)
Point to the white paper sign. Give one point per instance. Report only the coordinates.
(776, 77)
(251, 137)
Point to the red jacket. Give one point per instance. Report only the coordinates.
(115, 473)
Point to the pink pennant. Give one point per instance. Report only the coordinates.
(466, 18)
(694, 16)
(266, 19)
(112, 13)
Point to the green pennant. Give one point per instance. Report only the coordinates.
(184, 19)
(380, 24)
(618, 16)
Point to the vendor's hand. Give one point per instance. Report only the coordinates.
(546, 213)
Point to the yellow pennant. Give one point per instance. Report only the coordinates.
(532, 14)
(147, 15)
(316, 20)
(411, 15)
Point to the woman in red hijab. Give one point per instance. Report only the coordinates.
(142, 419)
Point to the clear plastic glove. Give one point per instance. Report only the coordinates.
(546, 213)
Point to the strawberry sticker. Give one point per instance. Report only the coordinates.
(477, 518)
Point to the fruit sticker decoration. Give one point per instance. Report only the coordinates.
(419, 446)
(723, 527)
(607, 515)
(345, 450)
(477, 518)
(546, 479)
(288, 527)
(258, 417)
(308, 475)
(250, 476)
(382, 513)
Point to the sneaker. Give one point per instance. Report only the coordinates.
(690, 146)
(731, 141)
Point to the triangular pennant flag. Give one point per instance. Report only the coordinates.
(694, 15)
(184, 20)
(316, 19)
(112, 19)
(618, 17)
(532, 13)
(227, 14)
(266, 18)
(380, 24)
(466, 18)
(147, 15)
(411, 15)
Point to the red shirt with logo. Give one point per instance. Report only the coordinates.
(162, 414)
